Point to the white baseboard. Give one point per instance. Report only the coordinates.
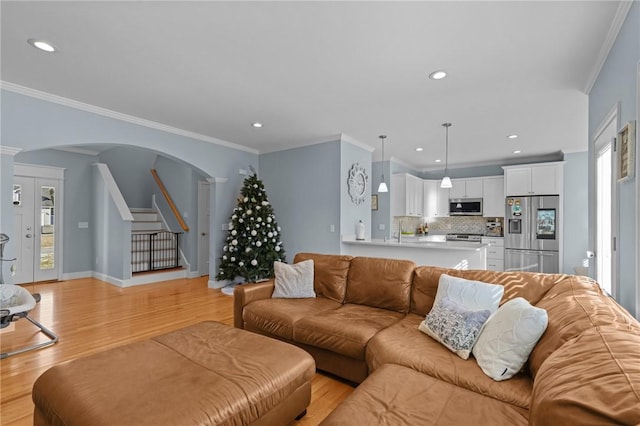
(193, 274)
(141, 279)
(108, 279)
(77, 275)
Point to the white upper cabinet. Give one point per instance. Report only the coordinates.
(436, 199)
(406, 194)
(466, 188)
(534, 179)
(493, 197)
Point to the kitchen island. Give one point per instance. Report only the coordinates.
(430, 250)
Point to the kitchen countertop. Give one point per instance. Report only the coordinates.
(422, 242)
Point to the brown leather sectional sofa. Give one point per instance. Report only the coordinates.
(363, 326)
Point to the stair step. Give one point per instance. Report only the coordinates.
(146, 226)
(145, 217)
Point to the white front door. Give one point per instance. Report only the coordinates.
(36, 230)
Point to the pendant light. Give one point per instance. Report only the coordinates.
(446, 180)
(383, 186)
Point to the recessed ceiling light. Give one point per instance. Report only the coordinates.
(419, 149)
(256, 125)
(514, 136)
(45, 46)
(438, 161)
(437, 75)
(517, 151)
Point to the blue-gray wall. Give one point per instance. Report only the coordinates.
(181, 182)
(303, 187)
(576, 218)
(382, 216)
(110, 233)
(32, 124)
(130, 167)
(617, 83)
(78, 177)
(351, 213)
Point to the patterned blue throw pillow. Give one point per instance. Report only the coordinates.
(454, 326)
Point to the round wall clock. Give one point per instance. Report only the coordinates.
(357, 183)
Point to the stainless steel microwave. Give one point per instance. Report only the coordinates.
(465, 207)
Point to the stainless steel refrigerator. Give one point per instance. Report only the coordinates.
(532, 234)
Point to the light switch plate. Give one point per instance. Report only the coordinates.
(83, 225)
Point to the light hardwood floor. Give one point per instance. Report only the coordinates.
(90, 316)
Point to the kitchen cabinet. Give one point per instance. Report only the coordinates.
(495, 253)
(493, 196)
(466, 188)
(534, 179)
(407, 195)
(436, 199)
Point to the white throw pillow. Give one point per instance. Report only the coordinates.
(508, 338)
(293, 281)
(459, 311)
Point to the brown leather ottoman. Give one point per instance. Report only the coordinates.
(205, 374)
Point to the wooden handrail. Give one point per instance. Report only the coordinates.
(167, 197)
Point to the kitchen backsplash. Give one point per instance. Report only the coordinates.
(443, 225)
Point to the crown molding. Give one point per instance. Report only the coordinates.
(346, 138)
(403, 163)
(614, 29)
(9, 150)
(27, 91)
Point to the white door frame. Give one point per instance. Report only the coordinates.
(56, 174)
(203, 227)
(611, 118)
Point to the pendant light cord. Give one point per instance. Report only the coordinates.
(446, 151)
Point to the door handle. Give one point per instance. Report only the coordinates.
(28, 235)
(203, 234)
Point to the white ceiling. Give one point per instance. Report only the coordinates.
(310, 70)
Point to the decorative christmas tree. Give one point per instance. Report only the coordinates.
(253, 243)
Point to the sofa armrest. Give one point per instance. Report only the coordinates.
(247, 293)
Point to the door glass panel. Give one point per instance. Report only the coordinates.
(604, 231)
(47, 228)
(17, 195)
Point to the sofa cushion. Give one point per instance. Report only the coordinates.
(529, 286)
(454, 325)
(380, 283)
(293, 281)
(403, 344)
(330, 274)
(396, 395)
(508, 337)
(345, 330)
(277, 316)
(574, 305)
(593, 379)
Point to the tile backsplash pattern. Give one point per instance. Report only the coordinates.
(458, 224)
(443, 225)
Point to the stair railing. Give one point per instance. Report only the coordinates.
(167, 197)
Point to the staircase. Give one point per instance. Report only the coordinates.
(152, 247)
